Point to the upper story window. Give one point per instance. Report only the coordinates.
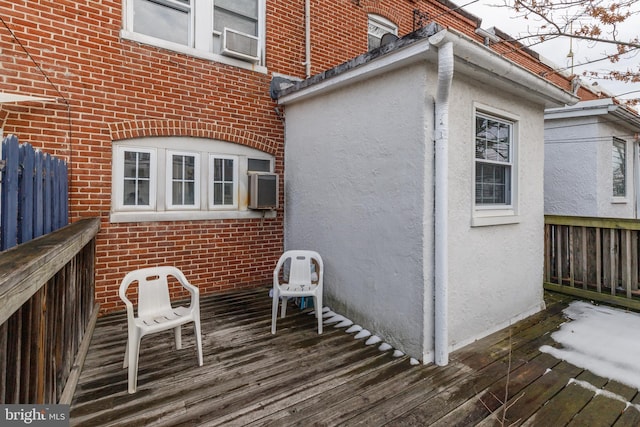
(230, 31)
(169, 20)
(619, 156)
(495, 172)
(207, 179)
(379, 26)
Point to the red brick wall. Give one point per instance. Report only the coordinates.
(119, 89)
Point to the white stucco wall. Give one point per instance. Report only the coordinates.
(359, 189)
(571, 161)
(495, 275)
(578, 168)
(357, 162)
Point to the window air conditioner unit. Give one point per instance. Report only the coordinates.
(263, 190)
(239, 45)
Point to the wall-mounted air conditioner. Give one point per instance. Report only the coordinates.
(263, 190)
(240, 45)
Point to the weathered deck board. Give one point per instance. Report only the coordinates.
(298, 377)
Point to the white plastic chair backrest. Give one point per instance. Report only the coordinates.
(153, 290)
(300, 268)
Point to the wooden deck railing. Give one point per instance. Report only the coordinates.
(46, 309)
(594, 258)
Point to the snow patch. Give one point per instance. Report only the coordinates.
(344, 324)
(602, 339)
(335, 319)
(384, 347)
(414, 362)
(374, 339)
(362, 334)
(354, 328)
(397, 353)
(601, 392)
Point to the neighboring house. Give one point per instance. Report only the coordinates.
(592, 160)
(416, 170)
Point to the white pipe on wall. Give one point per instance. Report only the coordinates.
(441, 249)
(307, 36)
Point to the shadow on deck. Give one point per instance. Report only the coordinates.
(296, 377)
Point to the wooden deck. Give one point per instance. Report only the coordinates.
(296, 377)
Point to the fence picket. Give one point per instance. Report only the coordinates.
(33, 193)
(27, 159)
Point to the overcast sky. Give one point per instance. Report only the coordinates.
(557, 50)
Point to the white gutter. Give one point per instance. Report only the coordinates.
(307, 36)
(441, 249)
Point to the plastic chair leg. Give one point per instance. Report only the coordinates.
(134, 350)
(126, 355)
(284, 307)
(274, 311)
(196, 325)
(178, 334)
(317, 302)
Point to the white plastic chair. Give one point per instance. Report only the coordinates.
(301, 282)
(155, 313)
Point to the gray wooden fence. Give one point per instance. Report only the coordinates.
(34, 193)
(595, 258)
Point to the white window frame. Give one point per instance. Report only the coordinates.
(619, 198)
(160, 207)
(496, 214)
(119, 173)
(201, 40)
(169, 183)
(377, 22)
(212, 158)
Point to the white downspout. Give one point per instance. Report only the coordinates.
(441, 245)
(307, 36)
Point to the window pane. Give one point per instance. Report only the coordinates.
(247, 8)
(143, 193)
(236, 22)
(130, 164)
(177, 167)
(176, 190)
(164, 20)
(144, 165)
(493, 140)
(259, 165)
(228, 193)
(189, 193)
(129, 193)
(228, 170)
(217, 169)
(190, 168)
(619, 165)
(493, 184)
(217, 193)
